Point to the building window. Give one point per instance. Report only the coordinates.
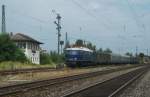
(21, 45)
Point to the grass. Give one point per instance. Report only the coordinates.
(17, 65)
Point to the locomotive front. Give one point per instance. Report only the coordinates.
(78, 56)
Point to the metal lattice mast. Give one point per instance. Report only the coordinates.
(66, 39)
(58, 29)
(3, 19)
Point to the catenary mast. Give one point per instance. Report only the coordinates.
(3, 29)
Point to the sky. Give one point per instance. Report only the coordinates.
(121, 25)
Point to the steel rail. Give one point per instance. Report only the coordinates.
(119, 90)
(42, 83)
(29, 70)
(85, 91)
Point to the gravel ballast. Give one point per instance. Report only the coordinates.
(140, 88)
(61, 89)
(27, 77)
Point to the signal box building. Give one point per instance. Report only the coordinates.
(30, 47)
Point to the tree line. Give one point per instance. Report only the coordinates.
(10, 52)
(82, 43)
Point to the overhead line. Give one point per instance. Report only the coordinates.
(136, 17)
(89, 13)
(31, 17)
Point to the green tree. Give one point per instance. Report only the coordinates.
(9, 51)
(45, 58)
(56, 58)
(91, 46)
(141, 57)
(107, 51)
(94, 47)
(100, 50)
(79, 42)
(129, 54)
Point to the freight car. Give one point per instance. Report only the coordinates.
(81, 56)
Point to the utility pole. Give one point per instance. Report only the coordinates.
(84, 42)
(147, 52)
(58, 30)
(66, 41)
(61, 44)
(66, 38)
(136, 51)
(3, 29)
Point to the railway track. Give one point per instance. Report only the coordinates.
(110, 88)
(33, 70)
(18, 88)
(30, 70)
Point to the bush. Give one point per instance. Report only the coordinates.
(50, 58)
(56, 58)
(9, 51)
(45, 59)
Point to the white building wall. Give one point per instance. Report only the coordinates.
(31, 49)
(31, 53)
(33, 57)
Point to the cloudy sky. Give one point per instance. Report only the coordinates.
(120, 25)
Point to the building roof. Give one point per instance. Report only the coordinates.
(79, 48)
(25, 38)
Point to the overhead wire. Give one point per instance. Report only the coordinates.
(38, 28)
(89, 13)
(40, 22)
(141, 26)
(135, 15)
(29, 16)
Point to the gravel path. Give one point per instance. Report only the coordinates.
(140, 88)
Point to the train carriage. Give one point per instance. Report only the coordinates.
(102, 58)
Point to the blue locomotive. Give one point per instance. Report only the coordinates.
(78, 56)
(81, 56)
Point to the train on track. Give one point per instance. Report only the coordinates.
(81, 56)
